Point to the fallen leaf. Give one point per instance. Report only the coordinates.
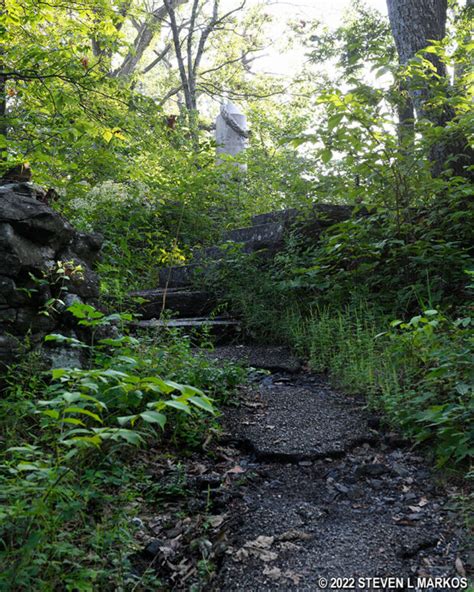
(294, 535)
(423, 502)
(199, 468)
(265, 555)
(257, 548)
(216, 521)
(236, 470)
(460, 567)
(241, 554)
(274, 573)
(294, 577)
(262, 542)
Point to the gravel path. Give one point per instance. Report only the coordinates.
(330, 495)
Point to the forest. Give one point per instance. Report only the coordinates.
(236, 295)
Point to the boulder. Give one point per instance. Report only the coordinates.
(34, 241)
(20, 207)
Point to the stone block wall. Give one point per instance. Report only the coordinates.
(45, 264)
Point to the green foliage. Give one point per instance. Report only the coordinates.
(69, 475)
(418, 372)
(437, 402)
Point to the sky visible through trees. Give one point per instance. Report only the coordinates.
(331, 15)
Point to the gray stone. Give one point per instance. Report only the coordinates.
(184, 303)
(30, 319)
(283, 216)
(272, 358)
(9, 346)
(87, 246)
(34, 239)
(153, 548)
(216, 325)
(231, 132)
(7, 290)
(7, 315)
(177, 276)
(20, 255)
(298, 423)
(372, 470)
(32, 218)
(262, 234)
(65, 356)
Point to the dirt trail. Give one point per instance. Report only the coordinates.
(327, 494)
(304, 491)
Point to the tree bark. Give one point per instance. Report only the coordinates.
(143, 40)
(415, 25)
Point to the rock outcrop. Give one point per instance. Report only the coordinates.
(44, 265)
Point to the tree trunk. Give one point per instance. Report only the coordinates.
(415, 24)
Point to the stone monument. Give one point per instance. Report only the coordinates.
(231, 132)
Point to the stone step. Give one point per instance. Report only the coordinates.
(223, 328)
(275, 358)
(184, 303)
(259, 235)
(225, 250)
(209, 253)
(321, 213)
(282, 216)
(177, 276)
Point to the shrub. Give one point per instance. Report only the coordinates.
(68, 476)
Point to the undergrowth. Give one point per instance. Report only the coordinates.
(71, 470)
(383, 307)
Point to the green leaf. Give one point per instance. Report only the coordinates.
(54, 413)
(202, 403)
(154, 417)
(128, 435)
(82, 411)
(23, 466)
(125, 419)
(326, 155)
(72, 421)
(334, 121)
(181, 405)
(58, 372)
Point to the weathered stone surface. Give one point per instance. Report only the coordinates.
(222, 328)
(177, 276)
(34, 239)
(355, 511)
(282, 216)
(184, 303)
(20, 254)
(261, 234)
(313, 422)
(87, 246)
(272, 358)
(231, 132)
(7, 290)
(32, 218)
